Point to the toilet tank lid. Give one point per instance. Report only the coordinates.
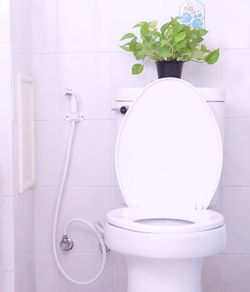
(129, 94)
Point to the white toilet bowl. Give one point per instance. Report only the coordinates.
(165, 261)
(168, 165)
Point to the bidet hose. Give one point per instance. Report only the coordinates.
(56, 215)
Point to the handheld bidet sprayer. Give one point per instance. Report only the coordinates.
(73, 113)
(66, 244)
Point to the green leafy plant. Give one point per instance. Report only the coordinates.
(174, 41)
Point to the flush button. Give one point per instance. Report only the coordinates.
(123, 110)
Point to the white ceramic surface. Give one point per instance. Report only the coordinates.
(158, 233)
(169, 149)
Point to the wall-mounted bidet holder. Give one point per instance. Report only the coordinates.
(73, 113)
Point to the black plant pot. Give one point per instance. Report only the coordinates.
(169, 68)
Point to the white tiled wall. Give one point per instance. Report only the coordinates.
(17, 222)
(75, 45)
(6, 221)
(23, 205)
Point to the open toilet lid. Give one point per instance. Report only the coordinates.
(169, 149)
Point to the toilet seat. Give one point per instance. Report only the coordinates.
(170, 221)
(169, 149)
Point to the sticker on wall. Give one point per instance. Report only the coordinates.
(192, 13)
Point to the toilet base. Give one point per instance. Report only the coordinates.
(164, 275)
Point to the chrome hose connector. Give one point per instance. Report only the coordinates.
(66, 243)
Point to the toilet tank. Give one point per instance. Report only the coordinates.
(213, 96)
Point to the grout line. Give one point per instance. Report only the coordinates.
(232, 49)
(77, 52)
(235, 254)
(103, 51)
(238, 118)
(30, 258)
(63, 119)
(246, 186)
(6, 119)
(75, 186)
(72, 253)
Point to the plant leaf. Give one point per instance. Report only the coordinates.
(165, 52)
(153, 24)
(132, 45)
(165, 27)
(126, 48)
(137, 69)
(181, 44)
(185, 58)
(204, 49)
(140, 24)
(164, 42)
(179, 37)
(179, 28)
(202, 32)
(213, 57)
(144, 29)
(199, 40)
(197, 54)
(127, 36)
(140, 54)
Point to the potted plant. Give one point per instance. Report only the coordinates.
(170, 46)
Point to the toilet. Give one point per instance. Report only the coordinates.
(168, 162)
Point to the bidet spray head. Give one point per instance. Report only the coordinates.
(74, 100)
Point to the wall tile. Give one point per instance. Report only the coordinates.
(6, 182)
(235, 81)
(235, 208)
(235, 275)
(5, 84)
(89, 76)
(5, 22)
(21, 25)
(118, 200)
(8, 281)
(211, 275)
(83, 267)
(44, 25)
(46, 273)
(89, 203)
(236, 170)
(202, 75)
(235, 24)
(122, 62)
(24, 228)
(213, 20)
(45, 199)
(119, 273)
(91, 163)
(7, 235)
(78, 30)
(25, 277)
(125, 14)
(49, 101)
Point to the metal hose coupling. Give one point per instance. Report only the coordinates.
(66, 243)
